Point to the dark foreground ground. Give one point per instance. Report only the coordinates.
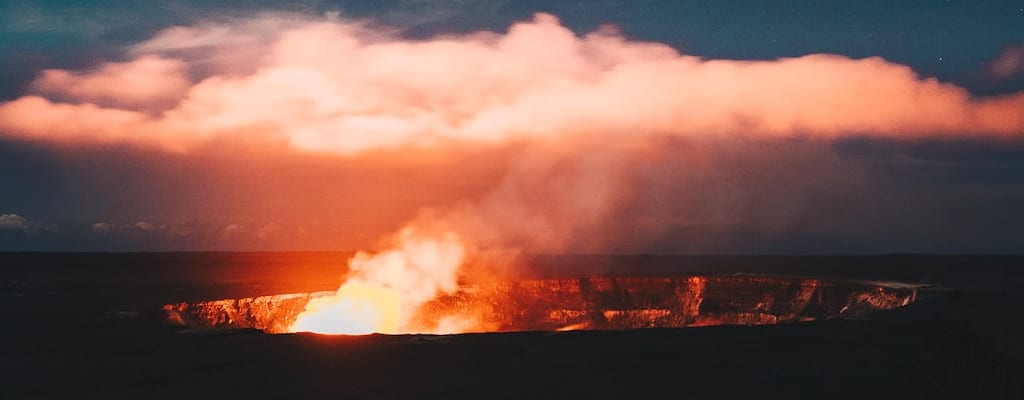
(79, 326)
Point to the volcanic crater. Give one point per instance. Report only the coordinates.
(586, 303)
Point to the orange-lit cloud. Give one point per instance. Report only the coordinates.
(344, 88)
(144, 83)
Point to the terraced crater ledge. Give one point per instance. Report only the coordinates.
(597, 303)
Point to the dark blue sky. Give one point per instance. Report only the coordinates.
(938, 195)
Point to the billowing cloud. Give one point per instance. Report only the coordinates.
(346, 87)
(535, 139)
(143, 83)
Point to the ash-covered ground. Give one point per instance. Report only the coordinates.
(87, 325)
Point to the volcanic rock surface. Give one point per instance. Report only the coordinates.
(599, 303)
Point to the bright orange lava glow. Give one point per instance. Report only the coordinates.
(384, 290)
(356, 309)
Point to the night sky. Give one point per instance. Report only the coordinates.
(730, 161)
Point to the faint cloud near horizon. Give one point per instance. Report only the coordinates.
(105, 228)
(17, 223)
